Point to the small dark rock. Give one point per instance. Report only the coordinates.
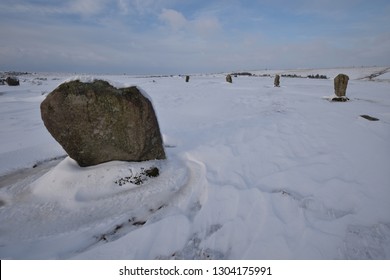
(118, 227)
(153, 172)
(139, 223)
(367, 117)
(139, 178)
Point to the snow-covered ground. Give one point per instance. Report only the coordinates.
(253, 172)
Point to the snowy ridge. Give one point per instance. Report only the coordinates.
(252, 172)
(354, 73)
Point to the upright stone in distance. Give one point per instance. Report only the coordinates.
(96, 122)
(277, 81)
(187, 79)
(340, 87)
(229, 78)
(12, 81)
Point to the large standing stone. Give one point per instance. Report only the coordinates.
(277, 81)
(340, 87)
(229, 78)
(187, 79)
(96, 122)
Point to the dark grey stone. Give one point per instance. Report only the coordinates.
(12, 81)
(229, 78)
(277, 81)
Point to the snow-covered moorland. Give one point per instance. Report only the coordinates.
(253, 172)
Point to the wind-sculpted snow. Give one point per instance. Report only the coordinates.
(70, 200)
(253, 171)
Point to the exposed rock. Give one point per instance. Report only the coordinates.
(340, 85)
(12, 81)
(187, 79)
(277, 81)
(96, 122)
(367, 117)
(229, 78)
(139, 177)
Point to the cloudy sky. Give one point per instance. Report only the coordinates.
(191, 36)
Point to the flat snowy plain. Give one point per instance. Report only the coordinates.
(253, 172)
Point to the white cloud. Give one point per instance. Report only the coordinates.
(202, 26)
(173, 18)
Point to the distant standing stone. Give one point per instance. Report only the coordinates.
(12, 81)
(277, 81)
(187, 79)
(96, 122)
(340, 87)
(229, 78)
